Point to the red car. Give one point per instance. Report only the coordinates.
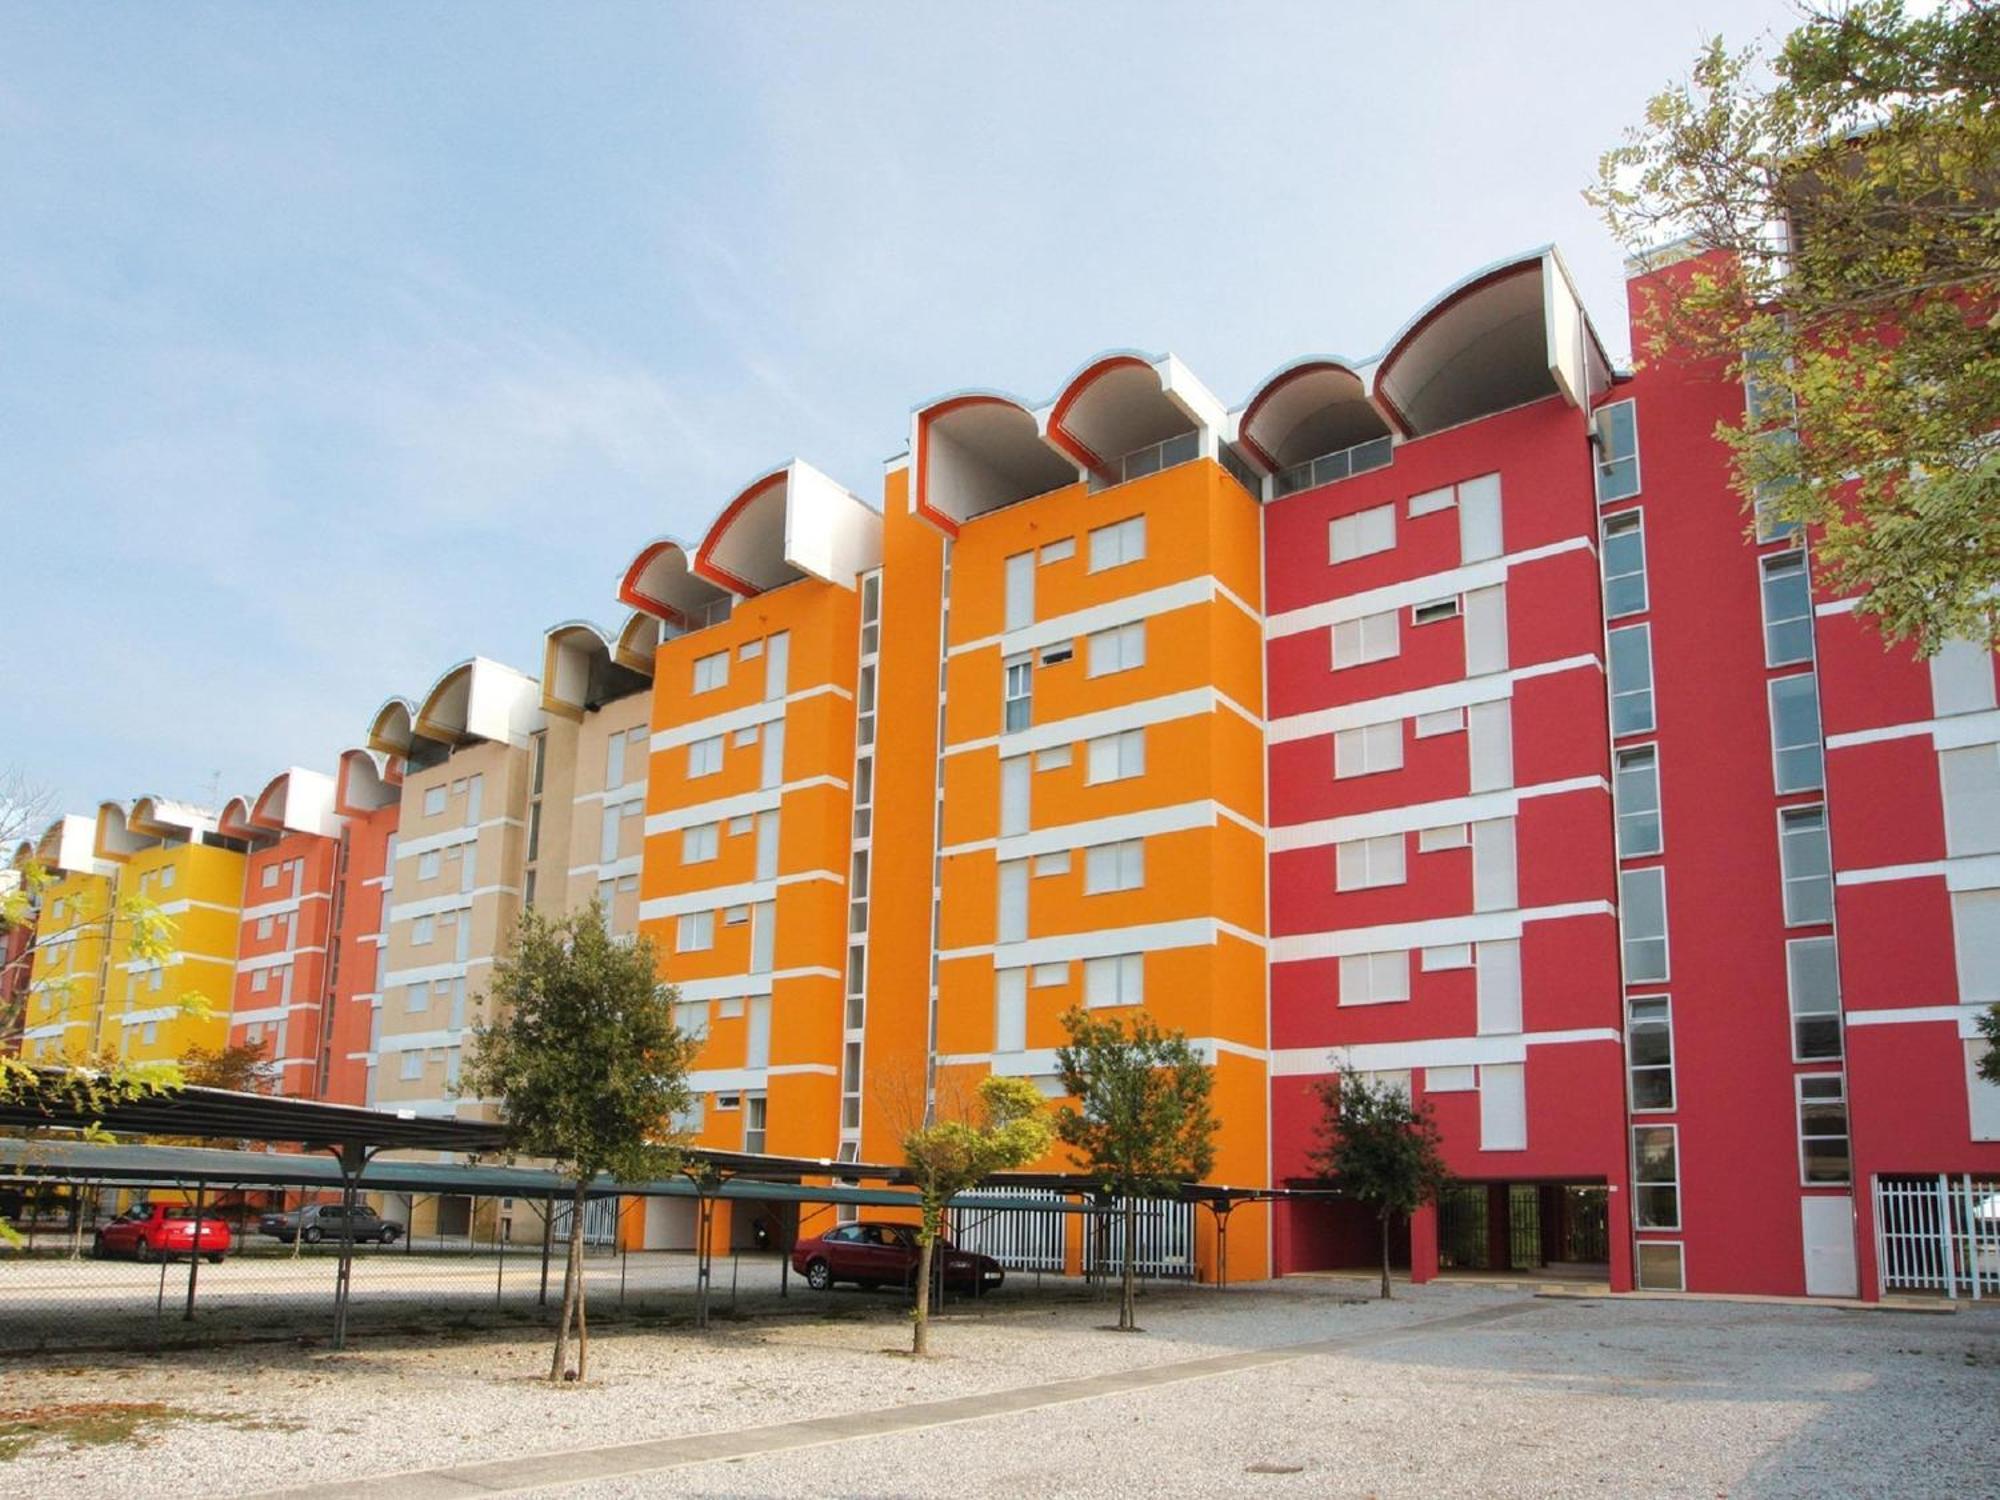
(155, 1230)
(886, 1255)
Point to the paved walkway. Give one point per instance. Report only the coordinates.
(543, 1470)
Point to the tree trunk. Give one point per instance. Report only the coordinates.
(1128, 1315)
(572, 1287)
(920, 1336)
(582, 1302)
(1387, 1295)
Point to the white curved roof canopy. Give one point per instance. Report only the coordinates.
(661, 583)
(1123, 401)
(638, 642)
(366, 782)
(580, 672)
(480, 699)
(1309, 408)
(297, 801)
(791, 523)
(976, 451)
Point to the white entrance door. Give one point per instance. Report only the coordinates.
(1828, 1228)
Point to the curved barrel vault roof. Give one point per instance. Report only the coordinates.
(790, 523)
(581, 670)
(661, 583)
(975, 451)
(638, 641)
(366, 781)
(479, 699)
(1312, 406)
(1124, 400)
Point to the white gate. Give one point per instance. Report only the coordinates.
(1021, 1239)
(1164, 1235)
(1938, 1234)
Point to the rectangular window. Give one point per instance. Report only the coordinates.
(696, 932)
(418, 998)
(700, 843)
(422, 930)
(1116, 757)
(1788, 635)
(412, 1067)
(1061, 550)
(1121, 542)
(1970, 778)
(1795, 746)
(1015, 780)
(1055, 758)
(1486, 630)
(433, 800)
(264, 926)
(270, 876)
(1056, 655)
(1479, 524)
(1649, 1052)
(1360, 864)
(1448, 836)
(1114, 867)
(1370, 638)
(745, 737)
(427, 869)
(1010, 1010)
(1018, 591)
(1368, 749)
(1440, 721)
(763, 936)
(1052, 864)
(1050, 974)
(1636, 789)
(1962, 678)
(1118, 980)
(1118, 650)
(1624, 564)
(705, 756)
(711, 671)
(1490, 745)
(1812, 974)
(757, 1033)
(756, 1119)
(607, 841)
(1656, 1176)
(1617, 451)
(1503, 1107)
(771, 757)
(777, 665)
(1498, 965)
(1017, 709)
(1659, 1266)
(1495, 870)
(1807, 865)
(1631, 679)
(1363, 533)
(1642, 923)
(1435, 612)
(1012, 924)
(1374, 978)
(750, 650)
(1823, 1148)
(1448, 956)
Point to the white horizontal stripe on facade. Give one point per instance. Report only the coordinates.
(1966, 1016)
(629, 865)
(624, 792)
(1474, 809)
(429, 842)
(733, 986)
(279, 908)
(1953, 732)
(1040, 1062)
(270, 1012)
(1148, 711)
(751, 1080)
(1837, 606)
(273, 960)
(1437, 932)
(1968, 872)
(1105, 942)
(1134, 825)
(418, 1041)
(1413, 591)
(434, 906)
(1466, 691)
(142, 965)
(1082, 622)
(743, 804)
(423, 973)
(767, 712)
(184, 905)
(1433, 1052)
(155, 1013)
(716, 897)
(55, 1028)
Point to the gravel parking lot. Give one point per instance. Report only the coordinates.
(1553, 1396)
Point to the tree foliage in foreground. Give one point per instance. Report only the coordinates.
(1138, 1115)
(1870, 327)
(588, 1068)
(1380, 1148)
(963, 1143)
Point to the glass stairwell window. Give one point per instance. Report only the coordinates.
(1617, 437)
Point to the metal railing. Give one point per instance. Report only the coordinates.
(1164, 1235)
(1181, 448)
(1376, 453)
(1938, 1234)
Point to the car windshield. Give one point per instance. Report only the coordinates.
(182, 1213)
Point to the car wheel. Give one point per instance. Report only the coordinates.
(819, 1276)
(143, 1250)
(215, 1260)
(311, 1235)
(97, 1247)
(389, 1234)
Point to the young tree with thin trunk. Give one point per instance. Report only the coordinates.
(1138, 1115)
(589, 1071)
(1380, 1149)
(1844, 197)
(960, 1142)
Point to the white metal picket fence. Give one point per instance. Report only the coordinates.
(1023, 1239)
(1938, 1234)
(1165, 1236)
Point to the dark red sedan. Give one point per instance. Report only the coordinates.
(152, 1231)
(886, 1255)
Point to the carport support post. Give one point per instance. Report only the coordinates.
(194, 1248)
(704, 1252)
(1221, 1208)
(353, 1157)
(548, 1238)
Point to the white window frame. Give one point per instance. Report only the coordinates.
(1119, 649)
(1619, 523)
(1017, 671)
(1607, 458)
(1376, 978)
(1632, 1069)
(1665, 937)
(694, 932)
(1120, 866)
(1779, 750)
(1367, 639)
(705, 757)
(1799, 1081)
(1645, 631)
(1367, 855)
(1361, 533)
(1368, 749)
(1127, 973)
(1839, 1054)
(1639, 1186)
(1124, 751)
(1651, 750)
(700, 842)
(1118, 543)
(711, 671)
(1788, 880)
(1789, 564)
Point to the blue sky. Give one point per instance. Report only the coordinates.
(311, 313)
